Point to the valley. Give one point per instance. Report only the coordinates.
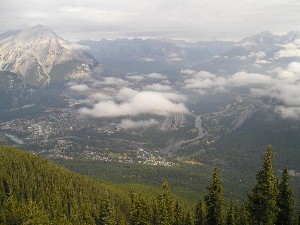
(154, 102)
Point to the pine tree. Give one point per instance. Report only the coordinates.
(262, 201)
(188, 219)
(230, 218)
(107, 214)
(242, 216)
(285, 201)
(200, 213)
(178, 214)
(214, 201)
(139, 213)
(164, 209)
(15, 212)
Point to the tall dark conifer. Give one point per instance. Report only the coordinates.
(262, 201)
(230, 218)
(285, 201)
(107, 212)
(164, 209)
(139, 213)
(178, 214)
(214, 201)
(200, 213)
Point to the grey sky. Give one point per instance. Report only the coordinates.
(177, 19)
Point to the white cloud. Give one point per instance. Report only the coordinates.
(100, 96)
(203, 81)
(130, 124)
(157, 76)
(140, 103)
(288, 112)
(290, 50)
(242, 79)
(79, 87)
(188, 72)
(112, 81)
(285, 86)
(125, 93)
(261, 61)
(158, 87)
(259, 54)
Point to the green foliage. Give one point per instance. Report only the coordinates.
(139, 213)
(107, 215)
(36, 191)
(200, 213)
(15, 212)
(188, 219)
(285, 201)
(164, 208)
(214, 201)
(178, 214)
(262, 200)
(230, 218)
(65, 197)
(242, 216)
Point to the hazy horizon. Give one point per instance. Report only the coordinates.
(178, 20)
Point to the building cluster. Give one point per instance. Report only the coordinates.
(63, 134)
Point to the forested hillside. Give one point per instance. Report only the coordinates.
(34, 190)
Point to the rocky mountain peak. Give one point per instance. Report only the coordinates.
(34, 53)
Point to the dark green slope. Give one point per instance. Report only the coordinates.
(64, 197)
(36, 191)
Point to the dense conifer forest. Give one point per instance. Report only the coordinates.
(34, 190)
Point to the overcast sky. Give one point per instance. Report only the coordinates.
(176, 19)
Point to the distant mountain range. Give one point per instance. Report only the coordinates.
(39, 56)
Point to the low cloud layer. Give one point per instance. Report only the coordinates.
(158, 87)
(290, 50)
(203, 82)
(131, 124)
(283, 86)
(79, 87)
(129, 102)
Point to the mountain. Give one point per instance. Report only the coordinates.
(8, 34)
(258, 53)
(139, 54)
(39, 56)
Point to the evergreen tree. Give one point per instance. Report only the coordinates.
(262, 201)
(139, 213)
(164, 209)
(178, 214)
(107, 212)
(214, 201)
(230, 218)
(242, 216)
(15, 212)
(285, 201)
(188, 219)
(200, 213)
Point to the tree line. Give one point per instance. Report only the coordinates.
(36, 191)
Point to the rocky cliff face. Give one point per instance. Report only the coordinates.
(174, 122)
(40, 56)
